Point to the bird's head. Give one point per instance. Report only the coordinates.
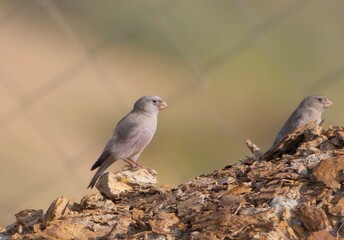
(317, 102)
(150, 104)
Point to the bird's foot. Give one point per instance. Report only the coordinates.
(133, 164)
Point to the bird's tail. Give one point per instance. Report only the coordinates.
(100, 171)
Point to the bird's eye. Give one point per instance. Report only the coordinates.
(320, 99)
(154, 101)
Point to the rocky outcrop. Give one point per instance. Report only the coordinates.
(294, 191)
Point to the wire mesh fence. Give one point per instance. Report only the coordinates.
(66, 80)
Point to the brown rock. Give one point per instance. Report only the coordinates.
(246, 200)
(96, 201)
(338, 139)
(163, 222)
(120, 228)
(27, 219)
(337, 209)
(257, 153)
(231, 200)
(329, 171)
(263, 170)
(314, 219)
(192, 205)
(321, 235)
(68, 229)
(111, 185)
(56, 210)
(137, 214)
(292, 141)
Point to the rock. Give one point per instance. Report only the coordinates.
(231, 200)
(120, 228)
(57, 208)
(314, 219)
(337, 209)
(295, 193)
(323, 235)
(290, 143)
(191, 205)
(281, 204)
(163, 222)
(27, 219)
(68, 229)
(111, 185)
(257, 153)
(91, 201)
(338, 139)
(330, 171)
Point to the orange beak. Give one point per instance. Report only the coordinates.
(162, 105)
(328, 103)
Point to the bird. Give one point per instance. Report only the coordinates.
(309, 110)
(131, 135)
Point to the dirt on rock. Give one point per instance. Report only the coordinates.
(293, 191)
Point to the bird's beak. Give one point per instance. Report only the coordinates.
(162, 105)
(328, 103)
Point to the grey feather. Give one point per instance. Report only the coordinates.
(131, 135)
(309, 110)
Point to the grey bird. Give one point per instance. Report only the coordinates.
(131, 135)
(309, 110)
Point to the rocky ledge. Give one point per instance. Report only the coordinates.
(293, 191)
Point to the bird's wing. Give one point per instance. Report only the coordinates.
(290, 125)
(299, 117)
(132, 134)
(123, 130)
(128, 140)
(105, 154)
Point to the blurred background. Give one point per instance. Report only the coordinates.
(229, 70)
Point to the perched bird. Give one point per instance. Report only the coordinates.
(309, 110)
(131, 135)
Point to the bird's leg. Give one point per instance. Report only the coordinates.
(129, 162)
(132, 163)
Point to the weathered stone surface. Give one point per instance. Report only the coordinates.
(337, 209)
(314, 219)
(111, 185)
(290, 143)
(330, 171)
(321, 235)
(56, 210)
(296, 193)
(27, 221)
